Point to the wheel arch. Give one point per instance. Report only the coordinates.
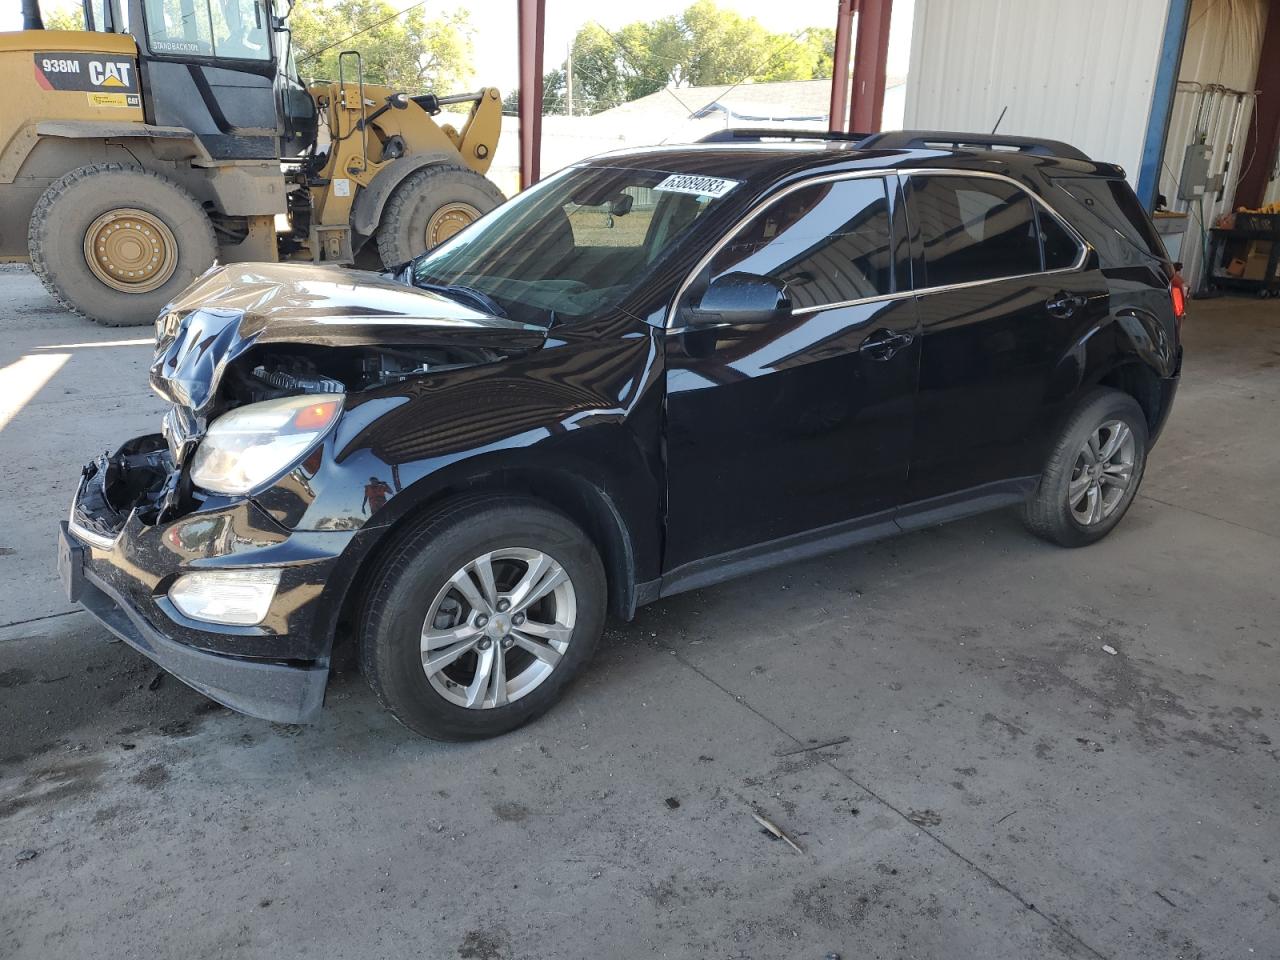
(584, 501)
(366, 211)
(1128, 351)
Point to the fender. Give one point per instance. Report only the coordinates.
(171, 143)
(578, 488)
(1132, 335)
(366, 212)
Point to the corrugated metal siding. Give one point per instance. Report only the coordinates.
(1224, 39)
(1082, 71)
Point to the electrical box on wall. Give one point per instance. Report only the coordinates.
(1194, 181)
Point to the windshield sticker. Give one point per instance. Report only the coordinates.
(697, 186)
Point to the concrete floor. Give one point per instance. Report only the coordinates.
(1002, 787)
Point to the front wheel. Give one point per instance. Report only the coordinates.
(481, 616)
(1093, 472)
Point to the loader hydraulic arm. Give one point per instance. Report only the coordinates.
(479, 135)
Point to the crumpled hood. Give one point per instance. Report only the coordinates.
(233, 308)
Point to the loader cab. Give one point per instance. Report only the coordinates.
(214, 67)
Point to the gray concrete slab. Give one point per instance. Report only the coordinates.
(997, 785)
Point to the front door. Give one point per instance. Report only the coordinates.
(1005, 291)
(795, 428)
(208, 66)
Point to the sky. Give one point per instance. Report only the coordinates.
(495, 21)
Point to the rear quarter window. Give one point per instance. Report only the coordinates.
(1115, 205)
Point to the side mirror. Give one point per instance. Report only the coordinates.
(741, 298)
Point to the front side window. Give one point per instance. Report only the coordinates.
(829, 242)
(236, 29)
(974, 228)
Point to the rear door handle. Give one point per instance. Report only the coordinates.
(1063, 304)
(883, 344)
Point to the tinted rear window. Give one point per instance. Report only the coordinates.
(974, 228)
(1115, 204)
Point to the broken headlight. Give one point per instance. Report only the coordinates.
(248, 446)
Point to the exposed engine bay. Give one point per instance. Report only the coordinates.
(289, 370)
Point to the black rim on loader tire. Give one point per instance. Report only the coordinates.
(430, 207)
(115, 243)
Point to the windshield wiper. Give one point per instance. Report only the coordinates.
(469, 295)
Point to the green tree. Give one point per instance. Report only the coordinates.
(704, 45)
(64, 18)
(408, 52)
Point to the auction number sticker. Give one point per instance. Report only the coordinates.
(697, 186)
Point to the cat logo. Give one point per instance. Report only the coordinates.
(87, 72)
(109, 74)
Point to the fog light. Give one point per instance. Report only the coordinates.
(236, 597)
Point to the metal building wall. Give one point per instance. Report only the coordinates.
(1080, 71)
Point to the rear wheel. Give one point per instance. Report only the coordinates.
(480, 617)
(1093, 472)
(429, 208)
(115, 243)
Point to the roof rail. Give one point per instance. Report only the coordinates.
(948, 140)
(739, 134)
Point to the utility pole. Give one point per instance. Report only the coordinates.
(568, 80)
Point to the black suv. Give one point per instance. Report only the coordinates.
(653, 371)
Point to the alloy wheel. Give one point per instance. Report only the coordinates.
(1102, 473)
(498, 628)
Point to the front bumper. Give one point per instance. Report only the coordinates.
(276, 670)
(280, 692)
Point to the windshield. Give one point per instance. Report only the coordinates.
(574, 245)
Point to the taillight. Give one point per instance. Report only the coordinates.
(1178, 297)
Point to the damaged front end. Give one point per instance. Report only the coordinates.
(169, 543)
(138, 478)
(253, 333)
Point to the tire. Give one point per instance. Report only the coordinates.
(89, 203)
(442, 198)
(1049, 513)
(416, 580)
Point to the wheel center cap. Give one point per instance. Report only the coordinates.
(499, 626)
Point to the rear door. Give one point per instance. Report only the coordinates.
(1005, 290)
(791, 427)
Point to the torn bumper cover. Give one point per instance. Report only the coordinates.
(122, 571)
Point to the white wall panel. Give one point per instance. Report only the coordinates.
(1080, 71)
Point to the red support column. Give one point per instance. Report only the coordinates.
(1264, 136)
(837, 117)
(531, 18)
(869, 56)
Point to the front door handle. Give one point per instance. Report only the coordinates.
(1063, 304)
(883, 344)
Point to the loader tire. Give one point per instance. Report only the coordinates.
(116, 243)
(430, 207)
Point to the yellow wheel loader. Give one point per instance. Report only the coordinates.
(171, 133)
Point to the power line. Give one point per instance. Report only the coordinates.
(372, 26)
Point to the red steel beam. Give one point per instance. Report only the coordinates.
(870, 54)
(531, 21)
(1263, 141)
(838, 115)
